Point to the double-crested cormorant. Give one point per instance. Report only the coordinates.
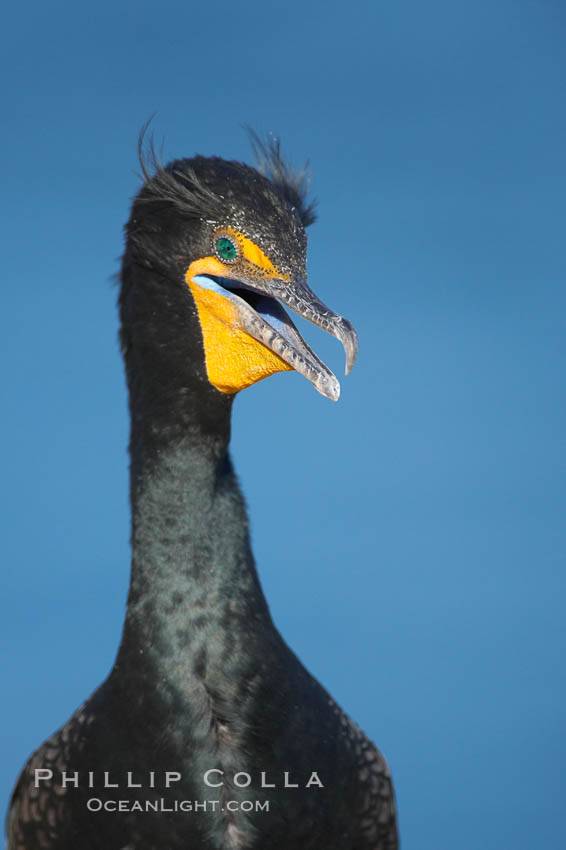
(208, 732)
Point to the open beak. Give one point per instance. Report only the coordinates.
(261, 315)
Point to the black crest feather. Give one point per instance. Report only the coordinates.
(167, 184)
(292, 183)
(183, 188)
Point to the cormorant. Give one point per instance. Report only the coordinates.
(208, 732)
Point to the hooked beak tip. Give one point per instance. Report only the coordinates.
(346, 332)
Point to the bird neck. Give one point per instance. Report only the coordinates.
(195, 605)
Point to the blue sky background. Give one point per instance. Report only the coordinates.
(410, 539)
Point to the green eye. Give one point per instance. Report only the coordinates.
(226, 249)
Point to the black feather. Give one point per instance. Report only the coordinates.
(292, 183)
(178, 183)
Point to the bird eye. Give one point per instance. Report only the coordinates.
(226, 249)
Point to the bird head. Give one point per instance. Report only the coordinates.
(231, 239)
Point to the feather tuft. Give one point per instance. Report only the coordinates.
(293, 183)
